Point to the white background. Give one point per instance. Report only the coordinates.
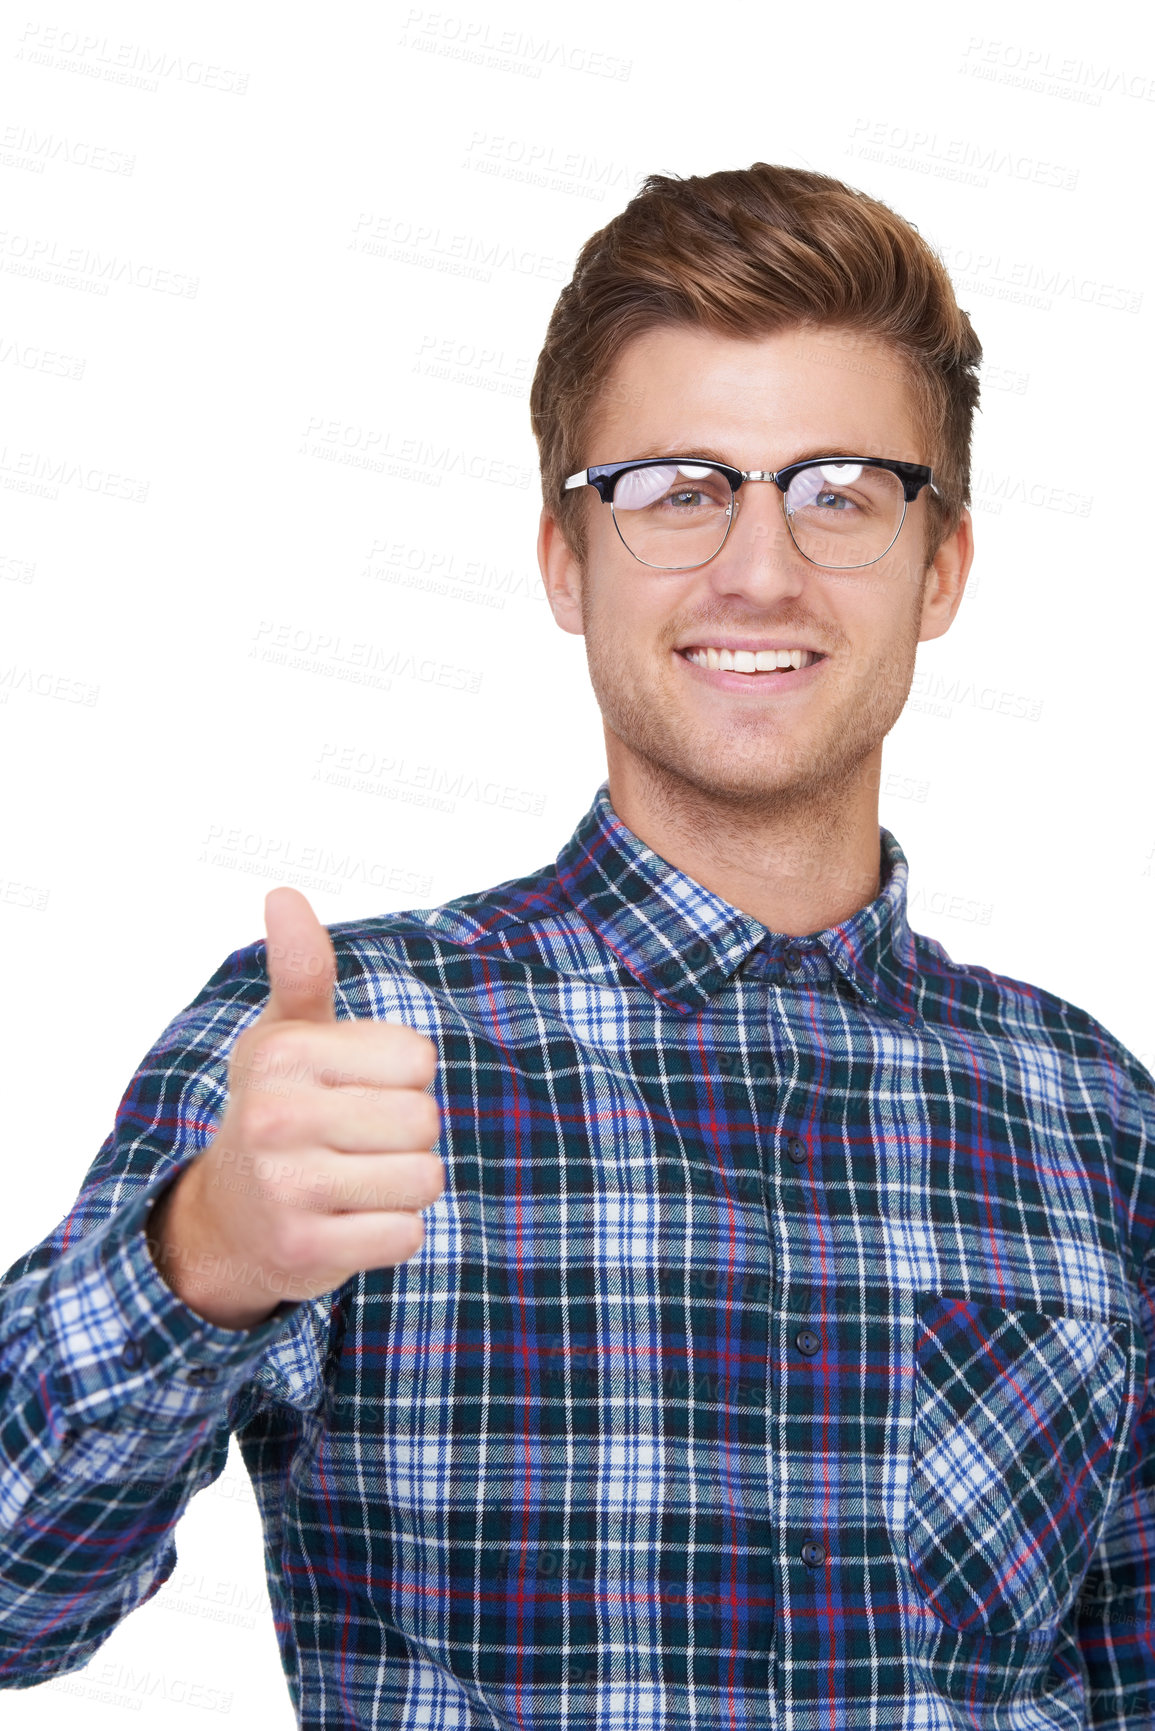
(280, 276)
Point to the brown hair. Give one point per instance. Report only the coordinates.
(747, 253)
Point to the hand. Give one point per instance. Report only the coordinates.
(323, 1158)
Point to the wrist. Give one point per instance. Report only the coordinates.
(210, 1281)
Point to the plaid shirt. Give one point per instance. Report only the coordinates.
(776, 1354)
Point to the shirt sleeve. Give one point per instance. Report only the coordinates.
(116, 1399)
(1116, 1606)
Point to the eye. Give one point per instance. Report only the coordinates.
(673, 490)
(637, 488)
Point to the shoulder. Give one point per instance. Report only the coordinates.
(479, 920)
(969, 997)
(412, 960)
(407, 963)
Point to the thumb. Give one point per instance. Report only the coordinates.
(299, 960)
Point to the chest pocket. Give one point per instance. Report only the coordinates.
(1015, 1421)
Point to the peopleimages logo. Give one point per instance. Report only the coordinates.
(381, 450)
(439, 571)
(51, 260)
(306, 865)
(129, 63)
(1025, 67)
(31, 358)
(962, 159)
(112, 1683)
(1027, 282)
(25, 147)
(404, 241)
(936, 694)
(301, 649)
(481, 43)
(35, 471)
(542, 163)
(439, 787)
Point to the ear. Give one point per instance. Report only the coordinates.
(945, 579)
(561, 574)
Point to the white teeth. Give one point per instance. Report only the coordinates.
(752, 661)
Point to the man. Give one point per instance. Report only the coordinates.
(764, 1340)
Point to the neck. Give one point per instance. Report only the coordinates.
(797, 864)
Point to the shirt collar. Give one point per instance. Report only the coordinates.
(685, 943)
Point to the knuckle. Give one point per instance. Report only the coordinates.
(417, 1183)
(265, 1121)
(400, 1239)
(245, 1057)
(415, 1050)
(426, 1059)
(293, 1243)
(289, 1042)
(412, 1234)
(434, 1171)
(268, 1046)
(420, 1119)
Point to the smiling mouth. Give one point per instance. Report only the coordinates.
(754, 663)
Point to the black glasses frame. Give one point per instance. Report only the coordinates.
(914, 476)
(603, 476)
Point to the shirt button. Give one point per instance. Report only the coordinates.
(202, 1373)
(813, 1553)
(807, 1341)
(795, 1149)
(132, 1357)
(792, 956)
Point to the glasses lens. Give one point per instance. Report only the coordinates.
(673, 515)
(844, 513)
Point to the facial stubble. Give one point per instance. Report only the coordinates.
(767, 761)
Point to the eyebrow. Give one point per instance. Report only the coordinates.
(711, 454)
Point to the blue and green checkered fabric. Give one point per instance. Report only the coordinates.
(776, 1356)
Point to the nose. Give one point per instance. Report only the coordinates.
(758, 557)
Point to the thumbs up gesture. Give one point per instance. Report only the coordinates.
(323, 1159)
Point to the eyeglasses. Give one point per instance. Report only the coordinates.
(674, 513)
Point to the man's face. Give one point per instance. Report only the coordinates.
(752, 740)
